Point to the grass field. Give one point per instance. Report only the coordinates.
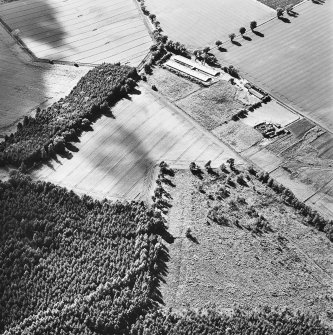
(80, 30)
(289, 265)
(116, 159)
(295, 66)
(170, 85)
(24, 85)
(213, 105)
(196, 23)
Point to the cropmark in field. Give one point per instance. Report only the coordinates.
(80, 31)
(231, 261)
(117, 158)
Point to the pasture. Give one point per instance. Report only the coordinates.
(196, 23)
(24, 85)
(117, 158)
(80, 31)
(292, 61)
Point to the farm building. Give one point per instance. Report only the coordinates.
(189, 62)
(185, 69)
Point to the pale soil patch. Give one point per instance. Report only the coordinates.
(237, 134)
(116, 159)
(212, 106)
(272, 112)
(288, 266)
(171, 85)
(85, 32)
(25, 85)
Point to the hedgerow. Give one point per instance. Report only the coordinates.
(40, 137)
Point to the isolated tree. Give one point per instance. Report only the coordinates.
(242, 30)
(279, 12)
(232, 36)
(253, 25)
(218, 43)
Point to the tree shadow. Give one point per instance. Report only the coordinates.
(71, 147)
(221, 49)
(193, 239)
(319, 2)
(258, 33)
(247, 38)
(284, 19)
(293, 13)
(236, 43)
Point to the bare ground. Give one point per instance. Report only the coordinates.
(289, 265)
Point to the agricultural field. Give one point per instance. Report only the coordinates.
(301, 160)
(170, 85)
(294, 66)
(117, 158)
(24, 85)
(197, 24)
(279, 3)
(80, 31)
(212, 106)
(284, 263)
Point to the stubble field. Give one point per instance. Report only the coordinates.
(289, 264)
(117, 158)
(196, 23)
(80, 31)
(290, 62)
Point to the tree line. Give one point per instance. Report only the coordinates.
(40, 137)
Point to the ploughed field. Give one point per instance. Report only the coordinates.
(293, 61)
(24, 85)
(80, 31)
(116, 159)
(196, 23)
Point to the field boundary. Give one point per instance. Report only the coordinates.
(32, 56)
(36, 59)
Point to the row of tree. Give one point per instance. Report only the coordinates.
(312, 217)
(40, 137)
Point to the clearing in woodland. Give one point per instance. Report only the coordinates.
(289, 62)
(116, 159)
(80, 31)
(232, 260)
(196, 23)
